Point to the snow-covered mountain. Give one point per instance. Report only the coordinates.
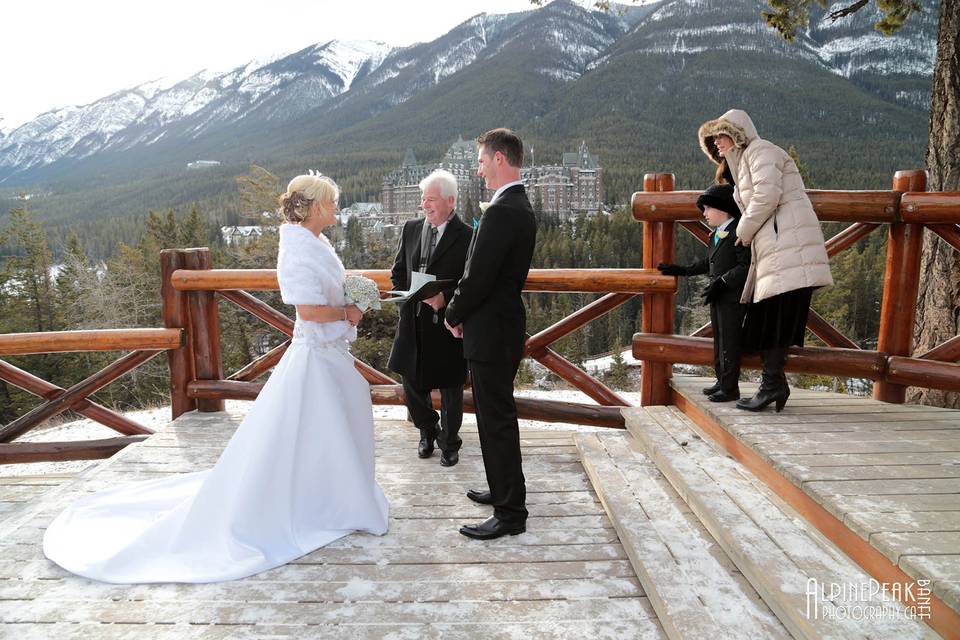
(281, 89)
(344, 83)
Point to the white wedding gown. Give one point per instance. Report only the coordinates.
(297, 474)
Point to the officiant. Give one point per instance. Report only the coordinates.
(424, 352)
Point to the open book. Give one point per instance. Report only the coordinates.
(422, 286)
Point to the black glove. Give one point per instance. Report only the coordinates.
(668, 269)
(712, 291)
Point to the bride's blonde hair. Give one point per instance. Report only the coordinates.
(300, 194)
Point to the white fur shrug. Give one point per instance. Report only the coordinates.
(310, 272)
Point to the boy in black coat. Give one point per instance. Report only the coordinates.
(727, 264)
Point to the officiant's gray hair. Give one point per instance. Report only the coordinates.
(302, 191)
(447, 182)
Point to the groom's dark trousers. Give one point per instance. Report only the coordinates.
(488, 305)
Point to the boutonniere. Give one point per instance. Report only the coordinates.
(722, 234)
(483, 209)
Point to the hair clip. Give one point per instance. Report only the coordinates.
(314, 172)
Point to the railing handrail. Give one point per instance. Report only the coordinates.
(884, 206)
(539, 280)
(16, 344)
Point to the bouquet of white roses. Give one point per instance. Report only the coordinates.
(362, 292)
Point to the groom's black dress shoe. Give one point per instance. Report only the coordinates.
(712, 389)
(492, 528)
(480, 497)
(427, 437)
(449, 458)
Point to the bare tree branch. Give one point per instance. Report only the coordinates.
(853, 8)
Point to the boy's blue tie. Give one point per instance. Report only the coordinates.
(716, 239)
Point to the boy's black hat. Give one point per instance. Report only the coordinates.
(719, 196)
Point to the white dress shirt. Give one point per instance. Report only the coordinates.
(496, 194)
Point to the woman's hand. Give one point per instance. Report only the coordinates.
(353, 314)
(742, 242)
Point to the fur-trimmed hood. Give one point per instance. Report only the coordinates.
(734, 123)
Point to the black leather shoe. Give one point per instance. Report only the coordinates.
(492, 528)
(480, 497)
(427, 438)
(449, 458)
(712, 389)
(724, 396)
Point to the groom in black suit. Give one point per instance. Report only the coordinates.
(487, 312)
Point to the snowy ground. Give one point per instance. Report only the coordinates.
(157, 418)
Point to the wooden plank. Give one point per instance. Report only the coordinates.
(913, 486)
(803, 544)
(866, 459)
(321, 613)
(351, 589)
(567, 575)
(871, 472)
(768, 567)
(945, 565)
(799, 446)
(842, 505)
(867, 523)
(918, 543)
(831, 427)
(949, 437)
(694, 595)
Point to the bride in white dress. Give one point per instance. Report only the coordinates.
(298, 472)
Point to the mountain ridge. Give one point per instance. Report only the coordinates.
(626, 82)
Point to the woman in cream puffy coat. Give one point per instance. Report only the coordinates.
(788, 257)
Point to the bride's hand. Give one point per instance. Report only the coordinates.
(354, 315)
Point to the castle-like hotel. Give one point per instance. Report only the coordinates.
(566, 190)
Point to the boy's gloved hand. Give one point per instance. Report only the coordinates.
(669, 269)
(712, 291)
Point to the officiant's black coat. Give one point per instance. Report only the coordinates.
(423, 350)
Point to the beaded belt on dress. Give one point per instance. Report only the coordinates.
(302, 337)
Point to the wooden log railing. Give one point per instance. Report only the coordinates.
(907, 209)
(205, 389)
(190, 337)
(145, 345)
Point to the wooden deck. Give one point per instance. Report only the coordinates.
(567, 577)
(890, 473)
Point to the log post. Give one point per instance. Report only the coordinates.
(175, 315)
(901, 282)
(205, 329)
(657, 312)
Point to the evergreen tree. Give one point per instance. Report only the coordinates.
(618, 375)
(32, 269)
(194, 230)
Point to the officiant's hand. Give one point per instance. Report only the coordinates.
(354, 315)
(457, 331)
(436, 302)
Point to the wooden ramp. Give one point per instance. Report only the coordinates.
(567, 577)
(882, 479)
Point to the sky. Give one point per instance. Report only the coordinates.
(58, 53)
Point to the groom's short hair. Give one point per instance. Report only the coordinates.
(506, 142)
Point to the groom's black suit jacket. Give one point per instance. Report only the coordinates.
(487, 300)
